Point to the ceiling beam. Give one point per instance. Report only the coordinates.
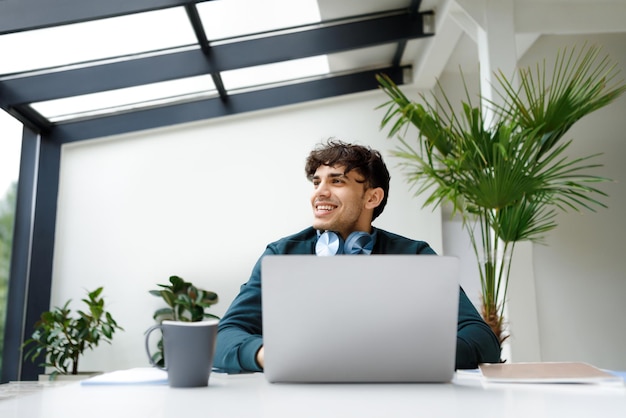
(23, 15)
(401, 47)
(182, 64)
(32, 119)
(430, 63)
(211, 108)
(203, 41)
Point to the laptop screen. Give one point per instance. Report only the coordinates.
(377, 318)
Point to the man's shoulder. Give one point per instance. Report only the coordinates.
(391, 243)
(298, 243)
(305, 235)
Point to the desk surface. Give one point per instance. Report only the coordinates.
(252, 396)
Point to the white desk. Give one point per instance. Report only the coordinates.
(250, 396)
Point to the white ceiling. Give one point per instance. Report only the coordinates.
(457, 27)
(457, 22)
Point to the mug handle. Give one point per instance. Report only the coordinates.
(147, 339)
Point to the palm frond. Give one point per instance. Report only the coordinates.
(513, 176)
(581, 83)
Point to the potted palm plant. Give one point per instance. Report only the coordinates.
(61, 336)
(509, 178)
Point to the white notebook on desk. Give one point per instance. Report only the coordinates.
(547, 372)
(377, 318)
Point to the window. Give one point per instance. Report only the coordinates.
(9, 170)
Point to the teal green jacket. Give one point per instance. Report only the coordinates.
(240, 333)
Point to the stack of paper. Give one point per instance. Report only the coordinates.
(549, 372)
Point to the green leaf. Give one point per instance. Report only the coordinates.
(61, 338)
(187, 302)
(169, 297)
(164, 313)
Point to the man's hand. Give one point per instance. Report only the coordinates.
(260, 357)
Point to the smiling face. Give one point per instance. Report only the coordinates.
(342, 202)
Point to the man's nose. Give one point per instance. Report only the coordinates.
(322, 189)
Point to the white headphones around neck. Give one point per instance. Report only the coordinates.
(330, 243)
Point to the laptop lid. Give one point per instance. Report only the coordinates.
(377, 318)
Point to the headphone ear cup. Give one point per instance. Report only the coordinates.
(359, 242)
(329, 243)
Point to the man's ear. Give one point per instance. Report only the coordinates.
(374, 197)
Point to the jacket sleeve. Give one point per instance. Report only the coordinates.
(240, 331)
(475, 342)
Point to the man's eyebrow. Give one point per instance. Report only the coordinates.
(331, 175)
(336, 175)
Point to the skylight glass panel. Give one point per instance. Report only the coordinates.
(362, 58)
(99, 39)
(128, 98)
(229, 18)
(274, 73)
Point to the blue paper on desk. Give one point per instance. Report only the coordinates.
(135, 376)
(618, 374)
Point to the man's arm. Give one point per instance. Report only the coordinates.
(239, 337)
(475, 342)
(240, 332)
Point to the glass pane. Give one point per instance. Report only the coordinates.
(277, 72)
(106, 38)
(126, 99)
(225, 19)
(10, 149)
(372, 57)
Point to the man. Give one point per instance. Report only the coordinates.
(350, 189)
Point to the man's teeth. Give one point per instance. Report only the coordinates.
(325, 207)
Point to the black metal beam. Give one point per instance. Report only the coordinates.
(31, 259)
(415, 5)
(18, 282)
(23, 15)
(211, 108)
(102, 77)
(413, 11)
(325, 40)
(30, 118)
(41, 251)
(181, 64)
(203, 41)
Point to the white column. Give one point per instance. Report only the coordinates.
(495, 37)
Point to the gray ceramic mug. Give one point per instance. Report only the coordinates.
(188, 348)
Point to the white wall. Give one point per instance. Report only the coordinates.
(566, 298)
(580, 279)
(201, 201)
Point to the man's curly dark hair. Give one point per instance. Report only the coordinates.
(366, 161)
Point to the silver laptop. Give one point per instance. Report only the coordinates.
(376, 318)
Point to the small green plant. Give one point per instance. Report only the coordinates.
(62, 338)
(185, 302)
